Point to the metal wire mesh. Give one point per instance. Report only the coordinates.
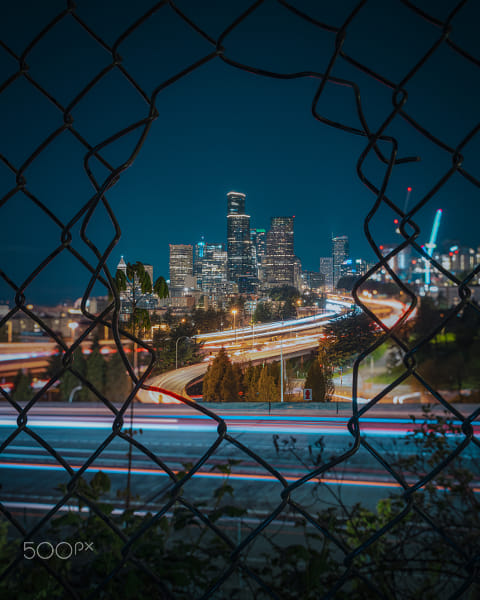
(376, 141)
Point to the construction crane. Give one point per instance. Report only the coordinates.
(432, 243)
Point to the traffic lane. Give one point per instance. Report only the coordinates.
(152, 488)
(301, 452)
(176, 421)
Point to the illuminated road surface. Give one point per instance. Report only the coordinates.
(29, 474)
(262, 343)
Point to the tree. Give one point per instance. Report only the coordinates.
(222, 381)
(319, 378)
(263, 312)
(208, 320)
(346, 282)
(349, 335)
(95, 368)
(284, 293)
(117, 382)
(136, 281)
(267, 388)
(288, 310)
(22, 386)
(69, 381)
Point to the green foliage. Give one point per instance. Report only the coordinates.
(262, 383)
(22, 387)
(263, 312)
(109, 376)
(165, 343)
(320, 377)
(205, 321)
(222, 382)
(347, 282)
(95, 371)
(69, 380)
(284, 293)
(448, 360)
(135, 276)
(267, 389)
(347, 337)
(117, 381)
(409, 561)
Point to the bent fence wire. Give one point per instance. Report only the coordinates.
(379, 146)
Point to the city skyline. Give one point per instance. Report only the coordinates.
(222, 128)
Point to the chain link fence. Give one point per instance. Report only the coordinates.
(354, 563)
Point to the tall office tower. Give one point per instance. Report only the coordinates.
(198, 258)
(181, 268)
(340, 251)
(326, 269)
(239, 245)
(213, 277)
(259, 243)
(280, 260)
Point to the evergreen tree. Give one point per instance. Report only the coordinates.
(223, 381)
(95, 368)
(250, 380)
(55, 363)
(212, 382)
(22, 387)
(268, 390)
(117, 382)
(229, 387)
(348, 336)
(319, 378)
(263, 313)
(238, 376)
(68, 380)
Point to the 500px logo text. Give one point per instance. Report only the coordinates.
(62, 550)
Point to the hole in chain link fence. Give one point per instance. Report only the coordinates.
(198, 502)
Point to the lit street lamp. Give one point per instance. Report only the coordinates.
(234, 313)
(73, 326)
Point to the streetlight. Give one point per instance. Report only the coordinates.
(73, 325)
(234, 313)
(176, 348)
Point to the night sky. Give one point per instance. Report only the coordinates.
(221, 129)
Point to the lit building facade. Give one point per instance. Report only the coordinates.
(280, 263)
(212, 274)
(326, 269)
(259, 245)
(181, 268)
(340, 252)
(240, 264)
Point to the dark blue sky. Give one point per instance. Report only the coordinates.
(222, 129)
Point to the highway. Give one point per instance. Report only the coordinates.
(261, 343)
(255, 344)
(290, 443)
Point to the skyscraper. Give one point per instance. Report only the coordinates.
(280, 259)
(199, 254)
(239, 245)
(326, 269)
(340, 252)
(212, 274)
(259, 245)
(181, 268)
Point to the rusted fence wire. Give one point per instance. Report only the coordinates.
(379, 146)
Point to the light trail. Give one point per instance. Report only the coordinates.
(210, 475)
(306, 425)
